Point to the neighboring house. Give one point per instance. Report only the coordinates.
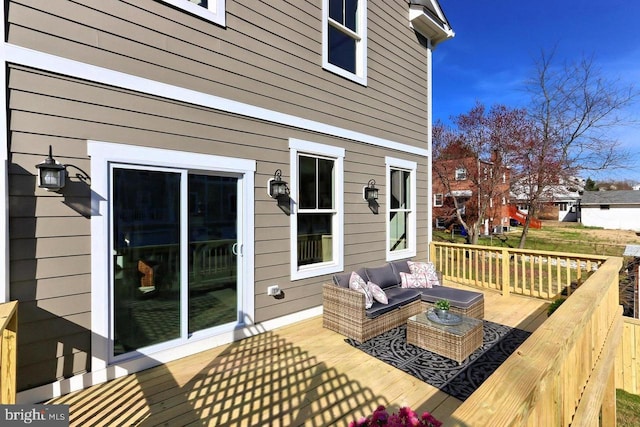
(464, 179)
(177, 123)
(558, 203)
(618, 210)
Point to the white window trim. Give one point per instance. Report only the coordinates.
(412, 167)
(297, 146)
(360, 76)
(435, 198)
(461, 174)
(214, 13)
(104, 153)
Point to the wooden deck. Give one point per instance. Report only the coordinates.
(301, 374)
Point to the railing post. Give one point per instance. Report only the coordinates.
(609, 401)
(432, 252)
(8, 346)
(506, 280)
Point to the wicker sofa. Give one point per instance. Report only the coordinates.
(344, 309)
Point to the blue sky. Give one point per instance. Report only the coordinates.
(497, 42)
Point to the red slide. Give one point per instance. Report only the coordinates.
(522, 217)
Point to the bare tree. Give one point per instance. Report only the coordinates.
(573, 108)
(480, 147)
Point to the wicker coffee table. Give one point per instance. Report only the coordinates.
(455, 342)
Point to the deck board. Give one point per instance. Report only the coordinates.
(301, 374)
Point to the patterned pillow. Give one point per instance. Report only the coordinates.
(413, 280)
(378, 293)
(357, 283)
(426, 268)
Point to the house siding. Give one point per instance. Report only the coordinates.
(50, 255)
(268, 56)
(617, 217)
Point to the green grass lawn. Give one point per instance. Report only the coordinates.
(628, 409)
(572, 239)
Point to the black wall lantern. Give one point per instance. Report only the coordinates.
(51, 174)
(276, 187)
(370, 192)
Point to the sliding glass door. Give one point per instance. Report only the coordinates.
(176, 254)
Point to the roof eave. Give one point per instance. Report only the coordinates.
(425, 22)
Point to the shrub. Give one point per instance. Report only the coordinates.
(554, 306)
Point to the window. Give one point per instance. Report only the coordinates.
(344, 38)
(440, 224)
(438, 200)
(317, 209)
(461, 174)
(212, 10)
(401, 222)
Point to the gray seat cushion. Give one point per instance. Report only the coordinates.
(398, 297)
(342, 279)
(382, 276)
(398, 267)
(457, 297)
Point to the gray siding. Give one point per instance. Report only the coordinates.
(269, 55)
(50, 239)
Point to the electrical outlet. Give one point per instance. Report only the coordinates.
(273, 290)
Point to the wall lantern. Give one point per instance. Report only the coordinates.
(370, 192)
(51, 174)
(276, 187)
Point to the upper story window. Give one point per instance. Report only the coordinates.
(461, 174)
(212, 10)
(344, 38)
(438, 199)
(317, 218)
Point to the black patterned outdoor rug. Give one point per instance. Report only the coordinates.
(457, 380)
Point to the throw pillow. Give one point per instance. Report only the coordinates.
(357, 283)
(413, 280)
(426, 268)
(377, 292)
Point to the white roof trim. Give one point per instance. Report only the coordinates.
(68, 67)
(427, 18)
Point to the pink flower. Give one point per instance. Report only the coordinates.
(404, 418)
(362, 422)
(430, 421)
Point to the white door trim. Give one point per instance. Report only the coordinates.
(103, 153)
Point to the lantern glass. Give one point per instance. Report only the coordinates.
(51, 175)
(277, 188)
(372, 193)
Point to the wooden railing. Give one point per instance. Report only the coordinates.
(8, 345)
(628, 357)
(563, 374)
(525, 272)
